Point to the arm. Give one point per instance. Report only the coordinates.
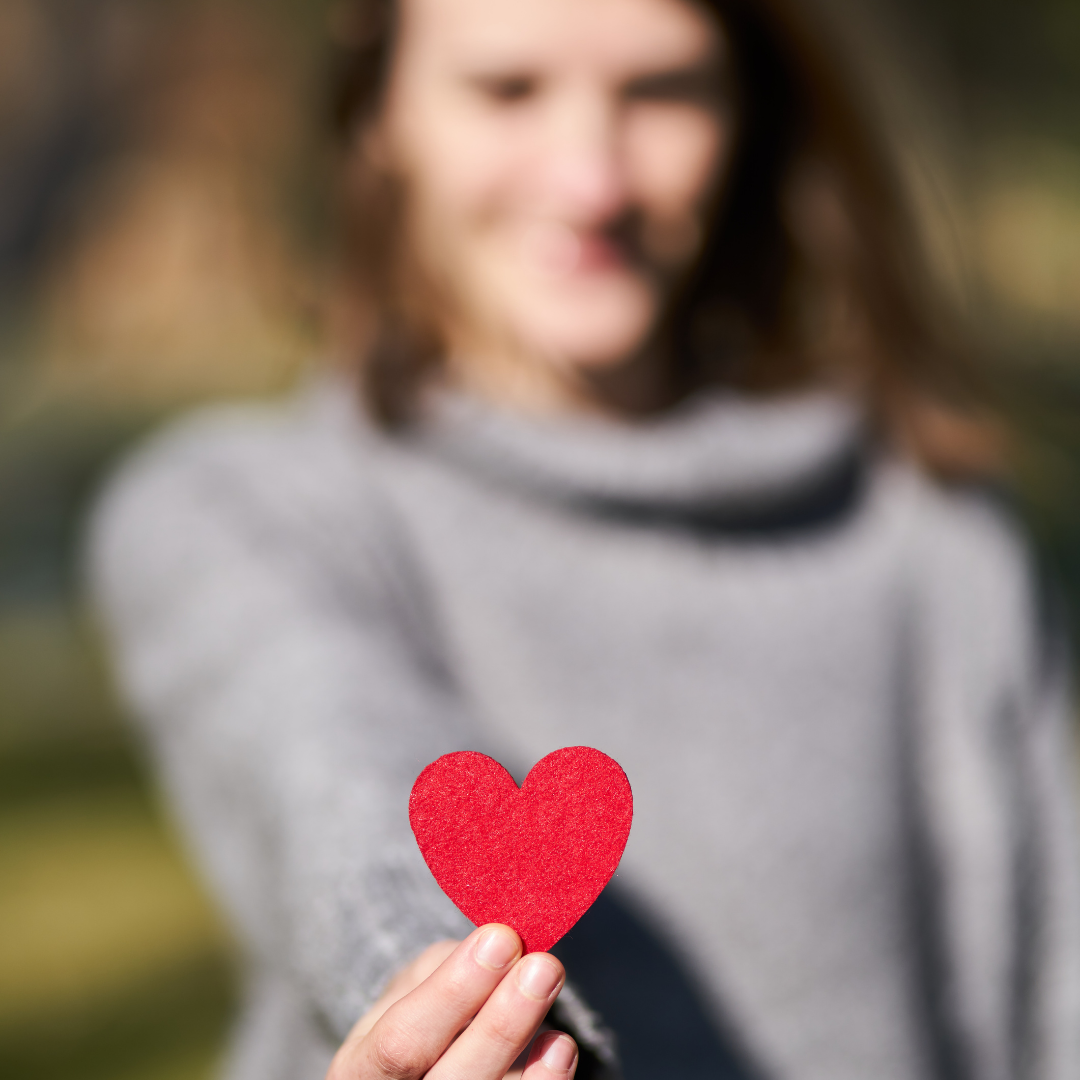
(997, 786)
(1052, 763)
(289, 705)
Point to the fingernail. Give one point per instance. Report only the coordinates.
(496, 950)
(560, 1054)
(538, 977)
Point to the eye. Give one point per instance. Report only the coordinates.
(698, 85)
(509, 89)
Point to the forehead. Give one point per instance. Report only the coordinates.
(616, 34)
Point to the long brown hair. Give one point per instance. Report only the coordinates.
(810, 270)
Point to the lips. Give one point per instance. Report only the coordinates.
(561, 250)
(599, 252)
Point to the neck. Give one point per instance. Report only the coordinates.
(636, 387)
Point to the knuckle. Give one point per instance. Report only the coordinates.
(504, 1032)
(393, 1057)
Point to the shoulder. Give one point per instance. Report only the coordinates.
(309, 454)
(297, 447)
(286, 481)
(973, 578)
(972, 531)
(971, 538)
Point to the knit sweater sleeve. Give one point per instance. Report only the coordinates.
(999, 775)
(1052, 763)
(265, 634)
(1047, 866)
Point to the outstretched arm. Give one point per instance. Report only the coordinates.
(289, 701)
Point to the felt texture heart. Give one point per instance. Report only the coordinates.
(534, 858)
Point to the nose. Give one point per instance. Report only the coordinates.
(584, 172)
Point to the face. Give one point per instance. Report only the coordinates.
(560, 158)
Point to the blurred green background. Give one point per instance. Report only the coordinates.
(159, 235)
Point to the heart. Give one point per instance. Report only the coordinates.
(534, 858)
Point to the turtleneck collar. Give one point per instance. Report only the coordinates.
(720, 455)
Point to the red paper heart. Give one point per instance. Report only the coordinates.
(534, 858)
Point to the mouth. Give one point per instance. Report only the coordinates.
(563, 251)
(601, 251)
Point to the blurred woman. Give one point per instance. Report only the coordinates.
(645, 437)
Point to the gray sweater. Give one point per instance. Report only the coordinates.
(853, 854)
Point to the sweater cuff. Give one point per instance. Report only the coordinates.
(598, 1055)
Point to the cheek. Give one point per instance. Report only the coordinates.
(460, 173)
(455, 184)
(675, 158)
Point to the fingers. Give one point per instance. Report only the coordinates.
(404, 983)
(504, 1026)
(411, 1035)
(424, 965)
(554, 1056)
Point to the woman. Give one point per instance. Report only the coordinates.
(652, 411)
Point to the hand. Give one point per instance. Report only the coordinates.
(462, 1011)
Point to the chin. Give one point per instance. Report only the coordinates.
(590, 332)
